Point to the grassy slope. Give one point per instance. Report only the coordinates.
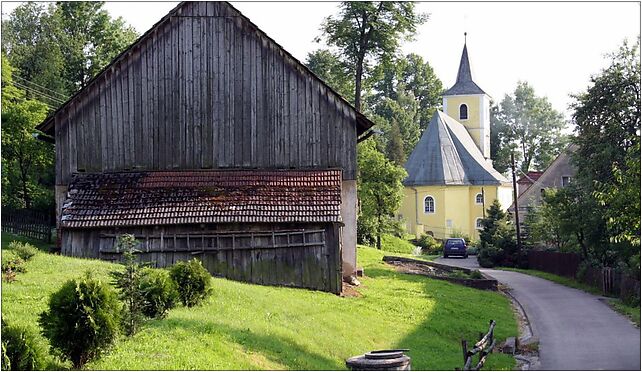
(632, 312)
(246, 326)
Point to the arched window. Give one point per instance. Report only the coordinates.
(478, 223)
(463, 112)
(479, 199)
(429, 204)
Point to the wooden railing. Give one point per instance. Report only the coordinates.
(483, 347)
(28, 223)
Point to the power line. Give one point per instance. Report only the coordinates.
(55, 100)
(62, 96)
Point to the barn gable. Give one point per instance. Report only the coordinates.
(205, 89)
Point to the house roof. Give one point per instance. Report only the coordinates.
(447, 155)
(47, 126)
(464, 83)
(530, 177)
(193, 197)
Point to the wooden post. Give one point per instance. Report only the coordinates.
(517, 228)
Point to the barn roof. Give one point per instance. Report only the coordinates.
(447, 155)
(194, 197)
(47, 126)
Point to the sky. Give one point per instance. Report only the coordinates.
(554, 46)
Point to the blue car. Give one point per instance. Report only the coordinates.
(455, 247)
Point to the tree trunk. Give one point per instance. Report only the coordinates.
(25, 191)
(357, 84)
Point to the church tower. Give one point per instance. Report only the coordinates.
(470, 105)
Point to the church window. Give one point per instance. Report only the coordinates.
(463, 112)
(479, 199)
(478, 223)
(429, 204)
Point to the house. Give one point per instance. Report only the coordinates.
(205, 138)
(558, 174)
(451, 180)
(526, 180)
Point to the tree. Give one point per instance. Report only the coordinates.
(27, 162)
(367, 30)
(379, 188)
(327, 66)
(395, 147)
(531, 125)
(401, 112)
(129, 284)
(57, 49)
(409, 75)
(500, 141)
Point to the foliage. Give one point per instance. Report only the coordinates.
(428, 244)
(380, 190)
(11, 265)
(58, 48)
(193, 282)
(476, 274)
(21, 350)
(82, 319)
(529, 124)
(363, 31)
(497, 240)
(159, 293)
(334, 72)
(27, 170)
(128, 283)
(23, 250)
(459, 234)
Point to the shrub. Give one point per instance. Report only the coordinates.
(11, 265)
(458, 234)
(159, 292)
(23, 250)
(128, 283)
(21, 350)
(428, 244)
(192, 281)
(476, 274)
(82, 319)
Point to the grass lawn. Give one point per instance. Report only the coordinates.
(245, 326)
(632, 312)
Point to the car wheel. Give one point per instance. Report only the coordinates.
(466, 256)
(445, 255)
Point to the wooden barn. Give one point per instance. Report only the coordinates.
(206, 139)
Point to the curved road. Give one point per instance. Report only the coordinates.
(576, 330)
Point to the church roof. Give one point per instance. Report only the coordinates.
(447, 155)
(464, 83)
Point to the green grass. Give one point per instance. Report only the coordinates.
(391, 243)
(245, 326)
(632, 312)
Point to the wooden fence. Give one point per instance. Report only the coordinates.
(608, 280)
(31, 224)
(483, 347)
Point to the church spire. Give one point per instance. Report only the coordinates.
(464, 83)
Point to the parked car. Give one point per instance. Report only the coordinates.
(455, 247)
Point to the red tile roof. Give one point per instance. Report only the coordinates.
(533, 175)
(191, 197)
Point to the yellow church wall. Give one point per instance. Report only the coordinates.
(454, 203)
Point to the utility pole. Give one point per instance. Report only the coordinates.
(519, 235)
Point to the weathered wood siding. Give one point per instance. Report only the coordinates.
(205, 90)
(306, 256)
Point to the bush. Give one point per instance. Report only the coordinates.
(476, 274)
(159, 293)
(192, 281)
(11, 265)
(21, 351)
(82, 319)
(23, 250)
(459, 234)
(428, 244)
(128, 283)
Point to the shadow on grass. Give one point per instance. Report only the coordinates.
(459, 313)
(281, 350)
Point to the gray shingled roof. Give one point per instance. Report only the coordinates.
(464, 83)
(447, 155)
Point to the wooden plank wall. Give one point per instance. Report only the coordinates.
(304, 256)
(205, 90)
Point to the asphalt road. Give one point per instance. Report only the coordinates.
(576, 330)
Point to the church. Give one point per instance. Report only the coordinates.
(451, 180)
